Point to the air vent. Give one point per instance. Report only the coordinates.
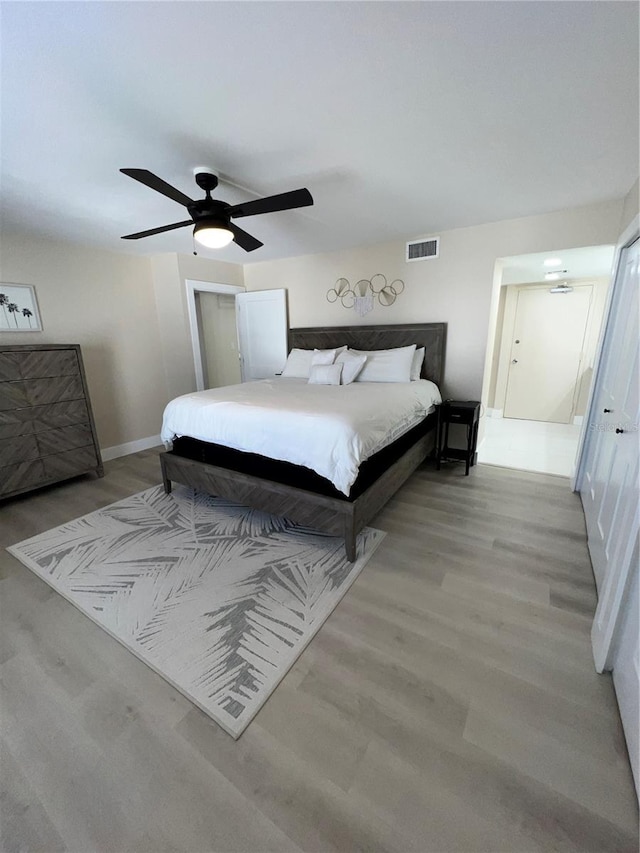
(423, 250)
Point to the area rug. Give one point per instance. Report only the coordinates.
(218, 599)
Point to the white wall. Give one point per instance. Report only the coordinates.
(630, 207)
(456, 288)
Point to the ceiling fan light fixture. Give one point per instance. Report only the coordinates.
(212, 234)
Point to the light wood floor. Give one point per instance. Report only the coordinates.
(448, 704)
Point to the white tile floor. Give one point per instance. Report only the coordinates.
(530, 445)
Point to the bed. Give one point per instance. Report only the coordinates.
(296, 492)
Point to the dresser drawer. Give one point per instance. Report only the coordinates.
(54, 441)
(48, 363)
(10, 365)
(62, 465)
(37, 392)
(39, 418)
(38, 364)
(22, 448)
(20, 477)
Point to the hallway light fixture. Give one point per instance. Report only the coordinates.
(561, 288)
(552, 262)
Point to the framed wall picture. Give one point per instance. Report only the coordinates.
(19, 308)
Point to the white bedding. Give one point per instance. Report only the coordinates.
(328, 428)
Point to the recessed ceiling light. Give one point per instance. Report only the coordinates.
(552, 262)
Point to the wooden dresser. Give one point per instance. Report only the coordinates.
(47, 431)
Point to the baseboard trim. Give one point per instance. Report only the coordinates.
(494, 413)
(129, 447)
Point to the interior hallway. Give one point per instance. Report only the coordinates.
(530, 445)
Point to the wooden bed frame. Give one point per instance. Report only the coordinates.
(333, 515)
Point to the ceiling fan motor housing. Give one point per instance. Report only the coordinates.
(211, 210)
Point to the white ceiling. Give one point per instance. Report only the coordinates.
(588, 262)
(403, 119)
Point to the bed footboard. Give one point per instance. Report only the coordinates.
(330, 515)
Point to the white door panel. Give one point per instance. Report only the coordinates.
(611, 498)
(626, 672)
(548, 341)
(616, 407)
(262, 333)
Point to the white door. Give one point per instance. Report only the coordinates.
(548, 341)
(261, 316)
(609, 492)
(626, 673)
(611, 467)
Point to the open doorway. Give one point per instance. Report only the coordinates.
(212, 357)
(236, 336)
(549, 318)
(218, 338)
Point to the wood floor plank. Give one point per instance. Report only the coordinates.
(449, 703)
(597, 786)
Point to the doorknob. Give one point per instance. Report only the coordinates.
(606, 411)
(514, 361)
(619, 431)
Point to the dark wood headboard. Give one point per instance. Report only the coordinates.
(431, 336)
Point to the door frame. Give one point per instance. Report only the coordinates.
(628, 236)
(193, 286)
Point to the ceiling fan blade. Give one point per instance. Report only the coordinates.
(151, 231)
(244, 240)
(155, 183)
(272, 203)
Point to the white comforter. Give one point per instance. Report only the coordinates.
(328, 428)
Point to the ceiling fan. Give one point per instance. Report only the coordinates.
(212, 218)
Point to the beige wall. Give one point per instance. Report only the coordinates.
(456, 288)
(103, 301)
(129, 315)
(170, 273)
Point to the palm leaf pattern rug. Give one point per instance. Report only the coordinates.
(218, 599)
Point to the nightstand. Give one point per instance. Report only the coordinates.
(467, 413)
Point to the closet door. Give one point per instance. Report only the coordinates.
(611, 502)
(609, 486)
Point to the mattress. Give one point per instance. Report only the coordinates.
(330, 429)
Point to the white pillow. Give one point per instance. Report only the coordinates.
(416, 367)
(299, 361)
(387, 365)
(323, 356)
(352, 364)
(325, 374)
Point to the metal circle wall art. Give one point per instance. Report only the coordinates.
(365, 291)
